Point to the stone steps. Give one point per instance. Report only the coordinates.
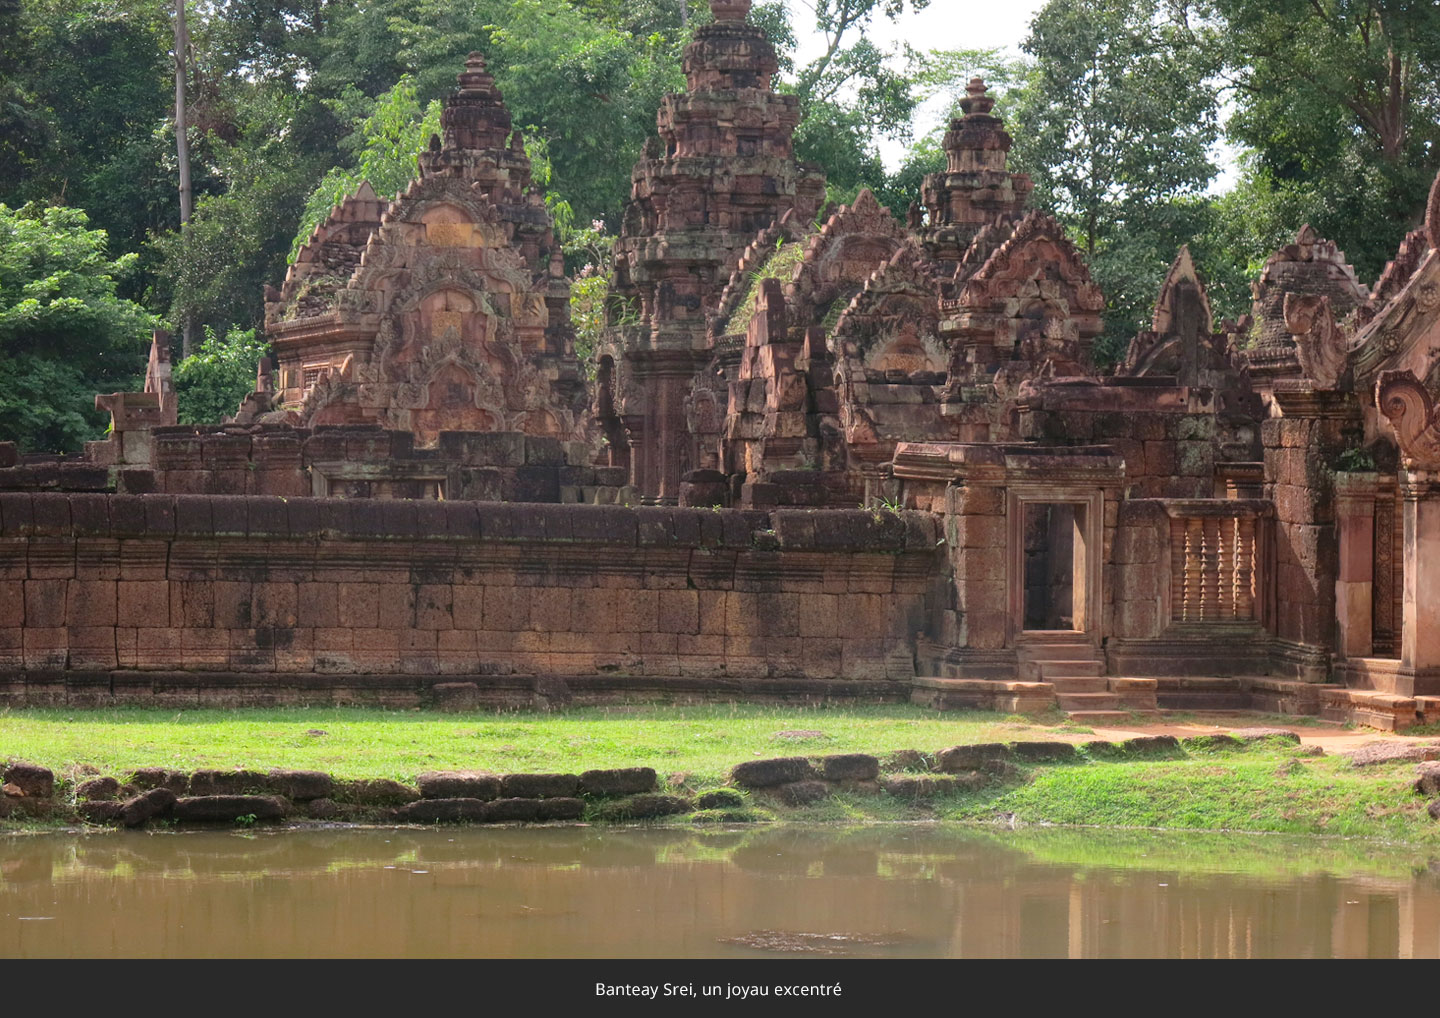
(1080, 684)
(1389, 712)
(1087, 701)
(1071, 650)
(981, 694)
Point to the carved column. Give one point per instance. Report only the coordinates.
(1420, 642)
(1412, 413)
(1354, 584)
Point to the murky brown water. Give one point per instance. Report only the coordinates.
(893, 891)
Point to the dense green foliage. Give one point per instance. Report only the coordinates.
(64, 333)
(212, 381)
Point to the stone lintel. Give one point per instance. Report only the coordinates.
(1296, 400)
(1228, 508)
(998, 463)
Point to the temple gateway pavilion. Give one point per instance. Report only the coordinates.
(816, 456)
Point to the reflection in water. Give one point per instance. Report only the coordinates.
(891, 891)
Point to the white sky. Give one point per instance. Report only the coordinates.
(949, 25)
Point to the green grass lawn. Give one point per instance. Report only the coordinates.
(704, 741)
(1267, 786)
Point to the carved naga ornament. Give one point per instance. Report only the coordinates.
(1320, 346)
(1401, 397)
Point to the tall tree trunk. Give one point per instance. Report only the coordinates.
(182, 145)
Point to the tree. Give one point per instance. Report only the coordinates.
(1339, 102)
(1115, 123)
(212, 381)
(387, 141)
(64, 334)
(850, 95)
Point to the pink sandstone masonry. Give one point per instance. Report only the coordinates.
(184, 600)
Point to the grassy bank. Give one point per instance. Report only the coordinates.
(1267, 786)
(703, 741)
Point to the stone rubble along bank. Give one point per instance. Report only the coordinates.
(611, 795)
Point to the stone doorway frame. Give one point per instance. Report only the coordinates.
(1089, 506)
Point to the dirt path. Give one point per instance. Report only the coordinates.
(1329, 737)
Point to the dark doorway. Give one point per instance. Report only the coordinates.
(1054, 566)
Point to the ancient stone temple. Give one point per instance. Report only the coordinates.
(880, 459)
(722, 170)
(444, 310)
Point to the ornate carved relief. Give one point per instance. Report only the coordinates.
(1412, 413)
(1319, 344)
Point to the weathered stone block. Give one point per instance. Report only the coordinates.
(219, 808)
(209, 783)
(958, 759)
(849, 767)
(645, 807)
(539, 786)
(621, 781)
(458, 785)
(33, 781)
(300, 786)
(769, 773)
(147, 806)
(444, 810)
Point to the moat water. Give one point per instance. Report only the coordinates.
(897, 891)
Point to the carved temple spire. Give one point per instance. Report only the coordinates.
(976, 187)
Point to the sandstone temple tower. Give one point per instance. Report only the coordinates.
(724, 170)
(444, 310)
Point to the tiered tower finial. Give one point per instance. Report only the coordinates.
(730, 10)
(976, 187)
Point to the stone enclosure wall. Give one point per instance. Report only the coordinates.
(183, 600)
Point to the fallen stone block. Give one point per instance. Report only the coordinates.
(1043, 752)
(1428, 783)
(208, 783)
(802, 793)
(322, 809)
(906, 760)
(560, 809)
(924, 786)
(720, 798)
(379, 792)
(443, 810)
(147, 806)
(512, 810)
(1142, 744)
(100, 811)
(621, 781)
(1434, 809)
(957, 759)
(147, 778)
(769, 773)
(300, 786)
(34, 781)
(458, 785)
(850, 767)
(646, 807)
(540, 786)
(96, 789)
(1373, 753)
(1262, 734)
(230, 807)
